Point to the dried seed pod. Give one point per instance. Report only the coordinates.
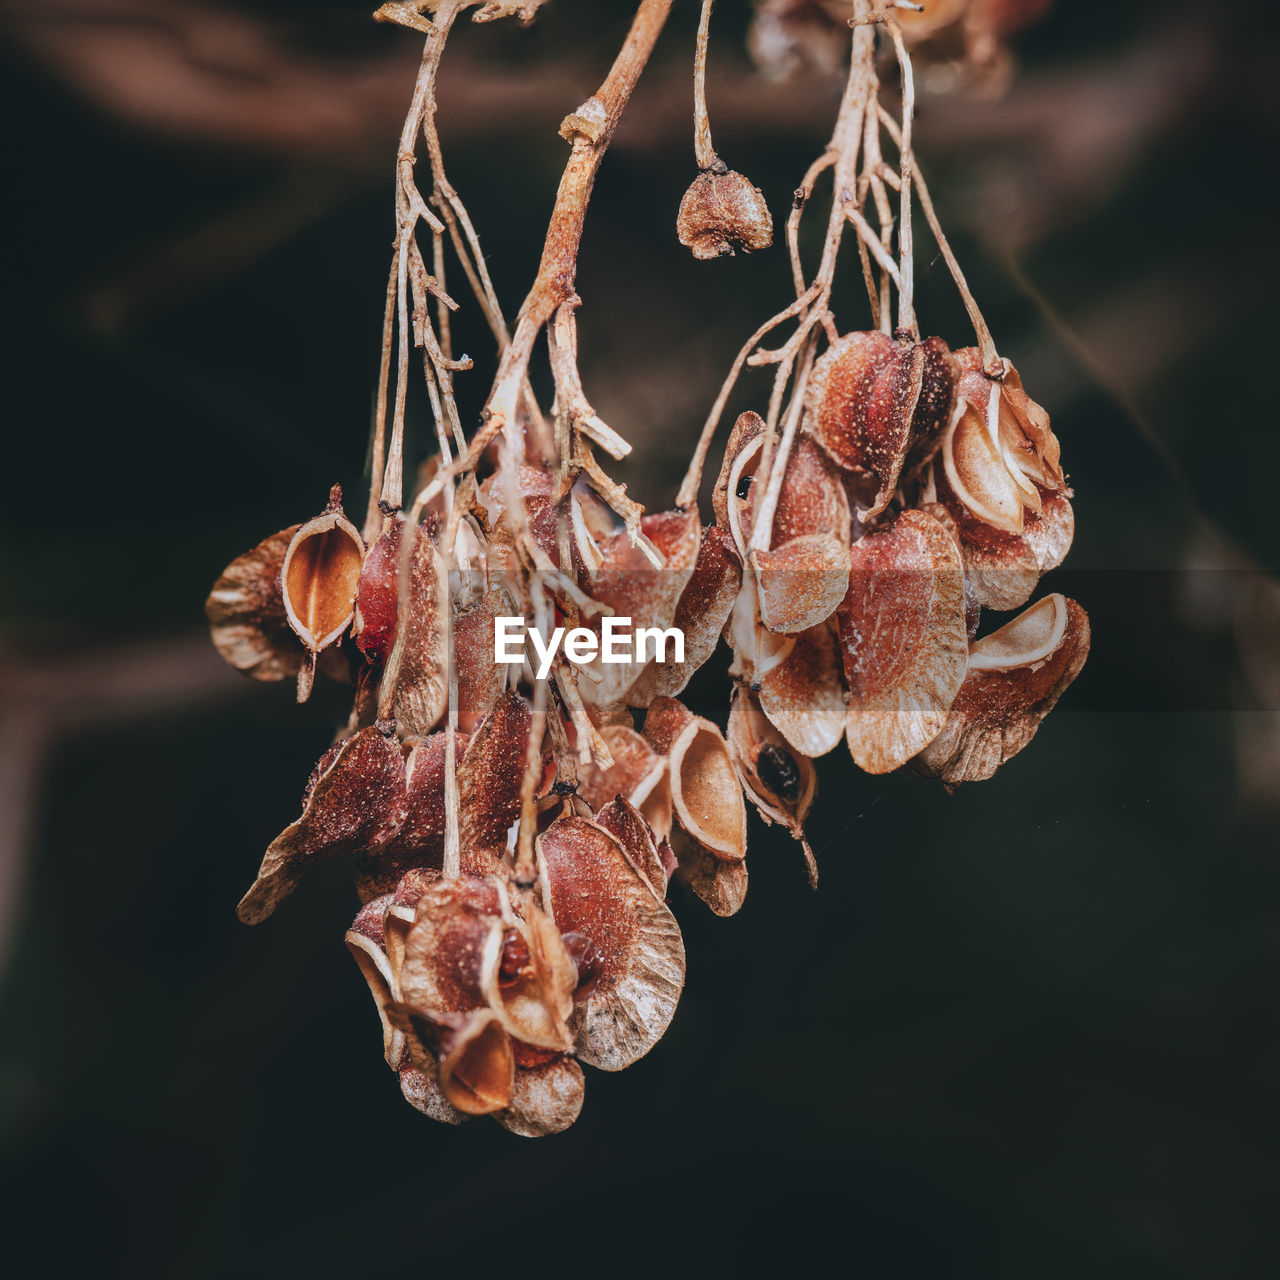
(739, 465)
(421, 1090)
(626, 824)
(598, 891)
(704, 608)
(492, 771)
(1003, 569)
(480, 680)
(1016, 676)
(356, 802)
(535, 998)
(999, 453)
(639, 774)
(721, 885)
(803, 695)
(722, 213)
(632, 588)
(778, 780)
(546, 1098)
(318, 580)
(415, 686)
(878, 406)
(378, 593)
(471, 1051)
(706, 796)
(366, 942)
(903, 639)
(247, 619)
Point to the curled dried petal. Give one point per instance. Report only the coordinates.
(639, 774)
(1016, 676)
(903, 639)
(357, 803)
(721, 885)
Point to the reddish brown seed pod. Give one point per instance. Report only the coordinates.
(721, 885)
(247, 621)
(626, 824)
(703, 610)
(377, 594)
(597, 891)
(318, 580)
(706, 796)
(492, 771)
(903, 639)
(722, 214)
(878, 406)
(639, 774)
(356, 802)
(546, 1098)
(1016, 676)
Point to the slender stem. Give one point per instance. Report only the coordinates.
(704, 153)
(590, 130)
(906, 159)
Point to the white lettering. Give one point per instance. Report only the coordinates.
(659, 639)
(580, 645)
(506, 632)
(546, 652)
(615, 641)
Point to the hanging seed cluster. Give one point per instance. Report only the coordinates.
(517, 841)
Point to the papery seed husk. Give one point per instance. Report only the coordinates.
(545, 1099)
(1016, 677)
(365, 942)
(903, 639)
(598, 891)
(626, 824)
(454, 947)
(535, 1007)
(748, 734)
(472, 1052)
(377, 594)
(492, 772)
(415, 684)
(804, 696)
(639, 774)
(421, 1090)
(357, 804)
(704, 608)
(481, 681)
(746, 429)
(319, 576)
(247, 621)
(721, 885)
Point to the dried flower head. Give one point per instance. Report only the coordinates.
(722, 214)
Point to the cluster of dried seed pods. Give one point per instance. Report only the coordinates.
(516, 830)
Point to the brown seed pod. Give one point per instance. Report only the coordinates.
(722, 213)
(247, 619)
(706, 796)
(377, 594)
(318, 580)
(480, 679)
(777, 779)
(1003, 569)
(492, 771)
(626, 824)
(721, 885)
(366, 942)
(546, 1098)
(356, 802)
(471, 1052)
(1016, 676)
(999, 453)
(903, 639)
(878, 406)
(421, 1090)
(632, 588)
(598, 891)
(415, 686)
(803, 695)
(639, 774)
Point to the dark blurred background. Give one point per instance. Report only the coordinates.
(1028, 1030)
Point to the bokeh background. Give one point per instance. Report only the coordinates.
(1026, 1030)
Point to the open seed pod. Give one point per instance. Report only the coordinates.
(706, 796)
(597, 891)
(318, 580)
(631, 587)
(356, 802)
(777, 779)
(704, 608)
(1016, 676)
(1003, 569)
(903, 639)
(415, 684)
(367, 943)
(626, 824)
(877, 406)
(999, 453)
(722, 213)
(639, 774)
(536, 980)
(736, 470)
(247, 619)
